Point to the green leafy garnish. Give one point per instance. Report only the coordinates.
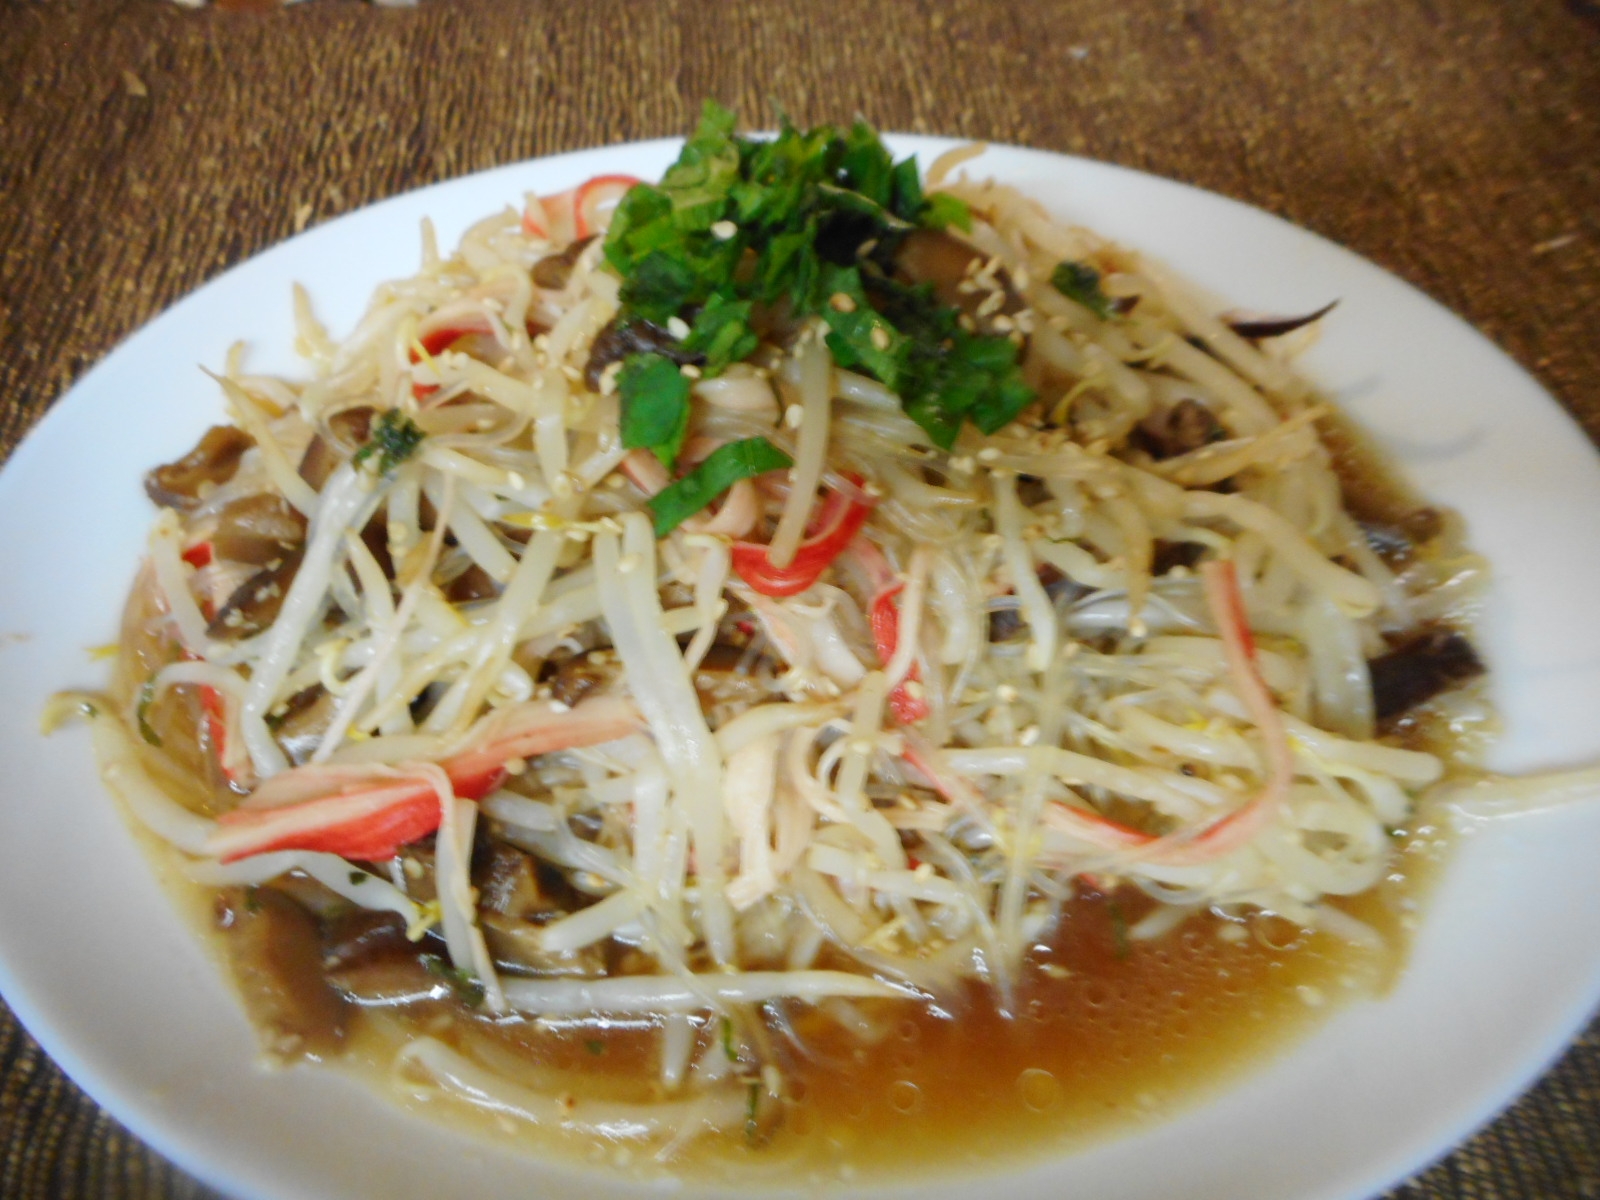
(393, 439)
(723, 468)
(358, 877)
(147, 693)
(806, 224)
(468, 988)
(1081, 282)
(655, 405)
(595, 1046)
(727, 1041)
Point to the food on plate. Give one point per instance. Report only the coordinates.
(720, 663)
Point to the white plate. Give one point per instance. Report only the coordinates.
(1506, 968)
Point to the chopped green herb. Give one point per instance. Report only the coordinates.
(751, 1108)
(723, 468)
(1081, 282)
(147, 693)
(727, 1041)
(814, 215)
(655, 405)
(252, 900)
(468, 988)
(357, 877)
(393, 439)
(1120, 941)
(595, 1046)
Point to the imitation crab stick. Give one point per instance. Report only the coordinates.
(367, 811)
(884, 613)
(1238, 827)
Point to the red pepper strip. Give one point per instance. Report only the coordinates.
(371, 820)
(597, 191)
(886, 634)
(838, 522)
(199, 555)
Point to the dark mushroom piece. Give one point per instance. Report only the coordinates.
(623, 337)
(257, 529)
(935, 257)
(348, 429)
(554, 271)
(255, 603)
(1181, 429)
(1270, 327)
(213, 461)
(1418, 669)
(572, 679)
(276, 956)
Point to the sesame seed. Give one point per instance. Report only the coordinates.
(628, 564)
(989, 454)
(1028, 736)
(571, 372)
(689, 371)
(1003, 323)
(962, 463)
(840, 302)
(723, 230)
(678, 327)
(880, 337)
(793, 416)
(516, 480)
(1006, 694)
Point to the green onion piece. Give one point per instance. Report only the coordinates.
(1081, 282)
(146, 694)
(723, 468)
(394, 438)
(655, 405)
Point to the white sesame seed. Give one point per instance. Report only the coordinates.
(793, 416)
(571, 372)
(516, 481)
(962, 463)
(880, 337)
(678, 327)
(840, 302)
(1028, 736)
(989, 454)
(723, 230)
(628, 564)
(689, 371)
(1006, 694)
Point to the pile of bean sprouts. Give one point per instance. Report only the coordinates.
(1204, 733)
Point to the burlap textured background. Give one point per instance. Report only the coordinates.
(144, 148)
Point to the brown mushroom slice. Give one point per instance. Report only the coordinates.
(1417, 670)
(255, 603)
(1185, 427)
(508, 882)
(392, 981)
(348, 428)
(306, 718)
(518, 948)
(213, 461)
(276, 956)
(935, 257)
(619, 338)
(554, 271)
(257, 529)
(1259, 328)
(582, 675)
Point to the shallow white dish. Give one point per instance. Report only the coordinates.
(1506, 967)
